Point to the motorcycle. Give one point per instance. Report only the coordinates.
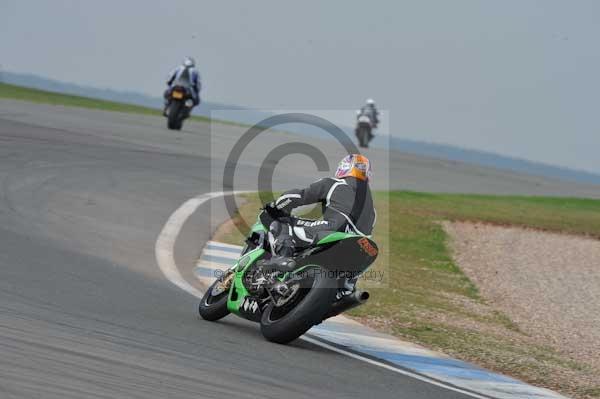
(287, 303)
(179, 108)
(363, 130)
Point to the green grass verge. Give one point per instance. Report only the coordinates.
(426, 297)
(47, 97)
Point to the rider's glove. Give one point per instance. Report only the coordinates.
(272, 210)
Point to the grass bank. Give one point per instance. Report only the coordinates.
(425, 297)
(47, 97)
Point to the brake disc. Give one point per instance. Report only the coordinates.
(223, 284)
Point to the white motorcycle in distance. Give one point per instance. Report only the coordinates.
(363, 130)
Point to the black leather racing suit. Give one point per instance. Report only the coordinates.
(347, 206)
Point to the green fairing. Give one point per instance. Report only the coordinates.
(258, 226)
(238, 285)
(244, 263)
(336, 236)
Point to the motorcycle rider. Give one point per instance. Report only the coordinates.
(371, 111)
(185, 75)
(347, 206)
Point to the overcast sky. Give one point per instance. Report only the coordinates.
(517, 77)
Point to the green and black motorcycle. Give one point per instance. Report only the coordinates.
(287, 303)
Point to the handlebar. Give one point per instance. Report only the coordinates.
(273, 214)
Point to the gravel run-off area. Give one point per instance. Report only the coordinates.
(547, 283)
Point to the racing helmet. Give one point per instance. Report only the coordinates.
(354, 165)
(370, 101)
(189, 62)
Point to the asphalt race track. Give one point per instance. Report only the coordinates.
(85, 311)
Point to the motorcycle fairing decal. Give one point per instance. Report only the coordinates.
(250, 304)
(238, 292)
(366, 246)
(250, 309)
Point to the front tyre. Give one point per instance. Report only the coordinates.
(285, 323)
(213, 305)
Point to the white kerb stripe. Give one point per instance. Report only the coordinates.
(164, 250)
(222, 254)
(222, 244)
(392, 368)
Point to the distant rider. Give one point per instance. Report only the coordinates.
(371, 111)
(185, 75)
(347, 206)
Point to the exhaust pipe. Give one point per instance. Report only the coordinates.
(347, 302)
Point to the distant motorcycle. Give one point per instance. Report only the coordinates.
(179, 108)
(363, 130)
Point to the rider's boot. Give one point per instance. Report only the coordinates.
(347, 288)
(278, 263)
(283, 260)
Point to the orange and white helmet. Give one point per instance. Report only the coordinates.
(354, 165)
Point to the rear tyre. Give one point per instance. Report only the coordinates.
(174, 119)
(312, 301)
(213, 307)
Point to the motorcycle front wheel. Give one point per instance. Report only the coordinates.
(363, 137)
(283, 323)
(213, 305)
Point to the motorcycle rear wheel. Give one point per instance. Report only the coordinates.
(174, 121)
(315, 298)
